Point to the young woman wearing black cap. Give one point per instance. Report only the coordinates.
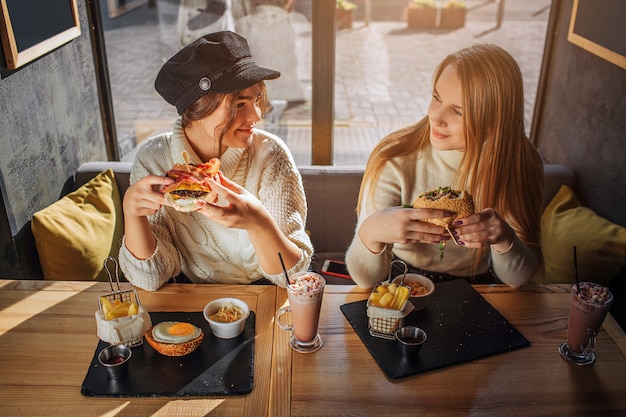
(219, 92)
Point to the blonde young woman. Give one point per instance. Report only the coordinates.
(473, 139)
(219, 92)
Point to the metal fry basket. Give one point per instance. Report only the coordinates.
(384, 327)
(383, 322)
(122, 296)
(125, 329)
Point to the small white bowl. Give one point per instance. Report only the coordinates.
(226, 330)
(419, 301)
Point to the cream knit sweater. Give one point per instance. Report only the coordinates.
(400, 182)
(198, 247)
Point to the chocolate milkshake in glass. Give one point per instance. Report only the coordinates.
(305, 291)
(586, 313)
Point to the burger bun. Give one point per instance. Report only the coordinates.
(174, 349)
(462, 205)
(184, 204)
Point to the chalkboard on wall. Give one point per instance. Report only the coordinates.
(32, 28)
(599, 27)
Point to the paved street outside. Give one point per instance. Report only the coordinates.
(382, 79)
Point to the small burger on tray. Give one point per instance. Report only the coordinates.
(191, 186)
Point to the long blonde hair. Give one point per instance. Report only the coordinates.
(500, 168)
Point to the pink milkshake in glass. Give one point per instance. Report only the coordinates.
(587, 310)
(305, 292)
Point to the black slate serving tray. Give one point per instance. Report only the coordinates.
(219, 367)
(460, 324)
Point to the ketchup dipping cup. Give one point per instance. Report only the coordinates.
(115, 360)
(410, 339)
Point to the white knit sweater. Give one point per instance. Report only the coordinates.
(198, 247)
(400, 182)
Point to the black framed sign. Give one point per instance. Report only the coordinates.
(32, 28)
(599, 26)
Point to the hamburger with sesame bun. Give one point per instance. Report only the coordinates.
(460, 203)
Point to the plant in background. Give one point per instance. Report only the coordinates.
(345, 5)
(345, 10)
(455, 4)
(423, 4)
(422, 14)
(453, 14)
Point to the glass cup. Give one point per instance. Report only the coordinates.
(587, 311)
(305, 294)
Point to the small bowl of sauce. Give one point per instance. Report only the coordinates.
(410, 340)
(115, 359)
(422, 288)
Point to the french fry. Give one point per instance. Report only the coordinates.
(106, 305)
(385, 300)
(390, 296)
(117, 308)
(375, 298)
(401, 297)
(133, 309)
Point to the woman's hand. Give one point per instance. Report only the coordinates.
(484, 228)
(244, 210)
(401, 225)
(143, 198)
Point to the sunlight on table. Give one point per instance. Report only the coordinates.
(39, 301)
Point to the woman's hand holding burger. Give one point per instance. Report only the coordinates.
(142, 198)
(243, 211)
(482, 229)
(402, 225)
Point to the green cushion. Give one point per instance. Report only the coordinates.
(77, 233)
(600, 244)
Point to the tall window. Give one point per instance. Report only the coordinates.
(382, 74)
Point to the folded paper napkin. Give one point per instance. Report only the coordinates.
(123, 329)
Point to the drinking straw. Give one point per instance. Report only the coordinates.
(284, 269)
(576, 270)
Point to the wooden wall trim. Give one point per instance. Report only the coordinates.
(545, 73)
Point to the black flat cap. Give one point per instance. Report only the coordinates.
(215, 63)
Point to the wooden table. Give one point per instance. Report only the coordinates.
(48, 337)
(343, 379)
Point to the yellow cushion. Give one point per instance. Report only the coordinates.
(600, 244)
(75, 234)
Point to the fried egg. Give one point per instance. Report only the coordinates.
(175, 332)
